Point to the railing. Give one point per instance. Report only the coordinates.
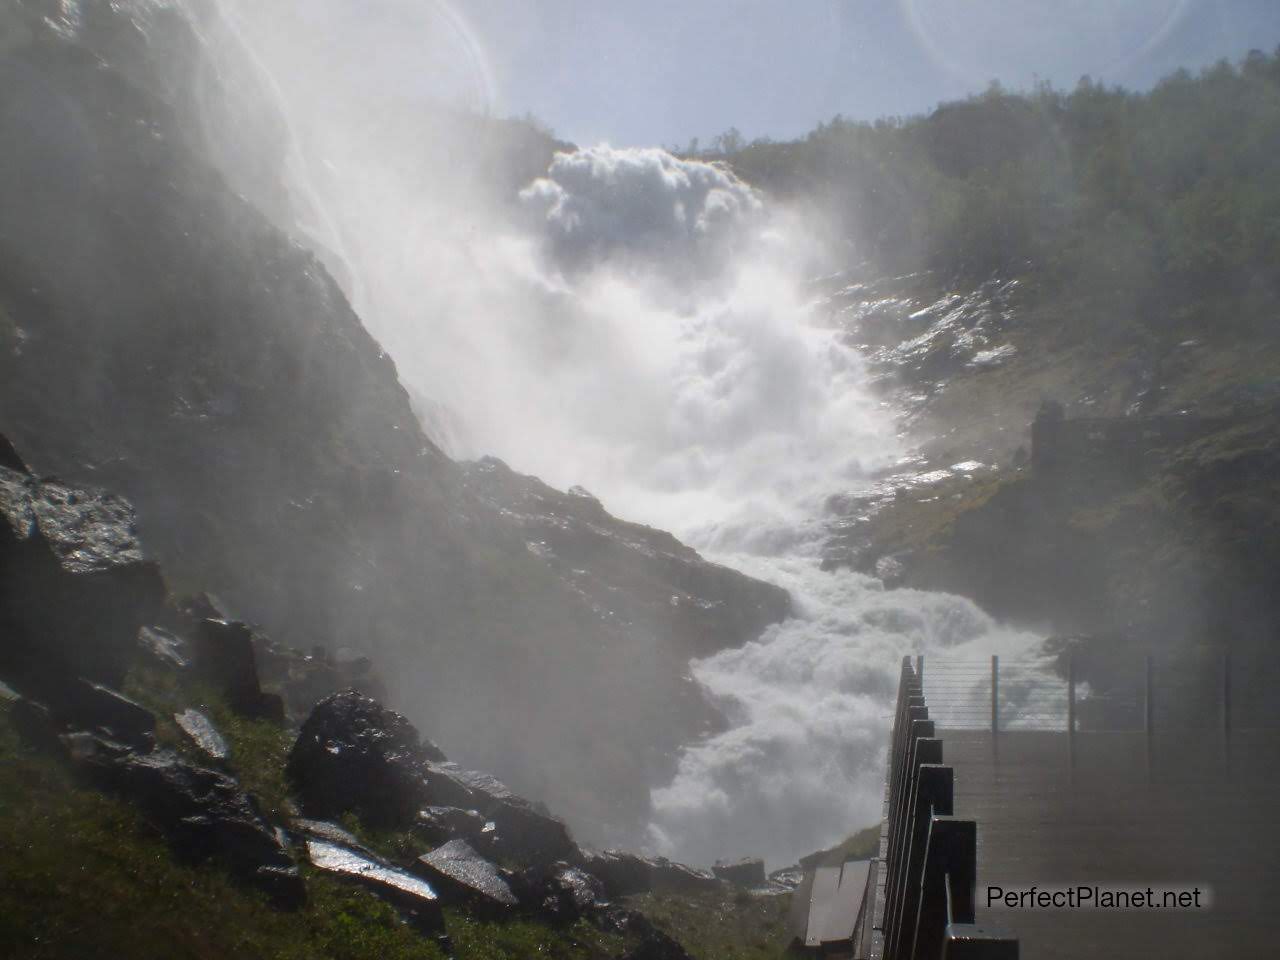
(925, 906)
(1129, 693)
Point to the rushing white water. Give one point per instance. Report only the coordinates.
(638, 324)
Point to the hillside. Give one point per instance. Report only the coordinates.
(162, 336)
(1109, 251)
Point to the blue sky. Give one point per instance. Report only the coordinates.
(663, 71)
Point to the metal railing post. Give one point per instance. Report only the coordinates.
(995, 706)
(1148, 712)
(1226, 711)
(1071, 712)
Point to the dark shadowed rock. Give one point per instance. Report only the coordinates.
(165, 647)
(701, 606)
(622, 874)
(330, 833)
(747, 872)
(525, 832)
(559, 892)
(461, 875)
(441, 824)
(203, 812)
(225, 657)
(77, 586)
(203, 733)
(657, 946)
(35, 726)
(669, 877)
(354, 755)
(409, 894)
(79, 704)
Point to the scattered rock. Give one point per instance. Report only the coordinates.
(85, 705)
(788, 877)
(559, 892)
(331, 833)
(165, 647)
(354, 755)
(524, 832)
(748, 872)
(462, 875)
(224, 655)
(203, 733)
(657, 945)
(77, 586)
(622, 874)
(411, 896)
(35, 726)
(203, 812)
(441, 824)
(669, 877)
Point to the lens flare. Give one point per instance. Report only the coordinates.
(974, 42)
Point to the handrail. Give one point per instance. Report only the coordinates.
(930, 856)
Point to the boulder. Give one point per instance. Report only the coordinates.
(653, 945)
(747, 872)
(79, 704)
(657, 946)
(461, 875)
(77, 586)
(669, 877)
(353, 755)
(441, 824)
(559, 892)
(35, 726)
(622, 874)
(203, 734)
(165, 648)
(525, 833)
(330, 833)
(204, 813)
(412, 896)
(225, 657)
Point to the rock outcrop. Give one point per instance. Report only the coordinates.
(463, 876)
(748, 872)
(413, 897)
(353, 755)
(76, 587)
(203, 812)
(162, 336)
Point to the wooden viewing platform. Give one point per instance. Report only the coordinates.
(1016, 794)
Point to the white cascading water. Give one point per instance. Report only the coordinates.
(639, 326)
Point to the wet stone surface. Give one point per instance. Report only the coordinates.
(203, 734)
(462, 874)
(413, 896)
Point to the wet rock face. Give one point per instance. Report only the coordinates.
(559, 892)
(225, 657)
(463, 876)
(409, 894)
(203, 734)
(203, 812)
(748, 872)
(631, 572)
(354, 755)
(524, 832)
(622, 874)
(77, 587)
(670, 877)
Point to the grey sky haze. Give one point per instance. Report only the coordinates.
(663, 71)
(644, 72)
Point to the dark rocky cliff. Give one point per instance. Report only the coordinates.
(160, 336)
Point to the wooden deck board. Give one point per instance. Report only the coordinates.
(1112, 822)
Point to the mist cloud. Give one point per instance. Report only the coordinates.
(599, 203)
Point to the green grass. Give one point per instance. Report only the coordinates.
(721, 926)
(85, 876)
